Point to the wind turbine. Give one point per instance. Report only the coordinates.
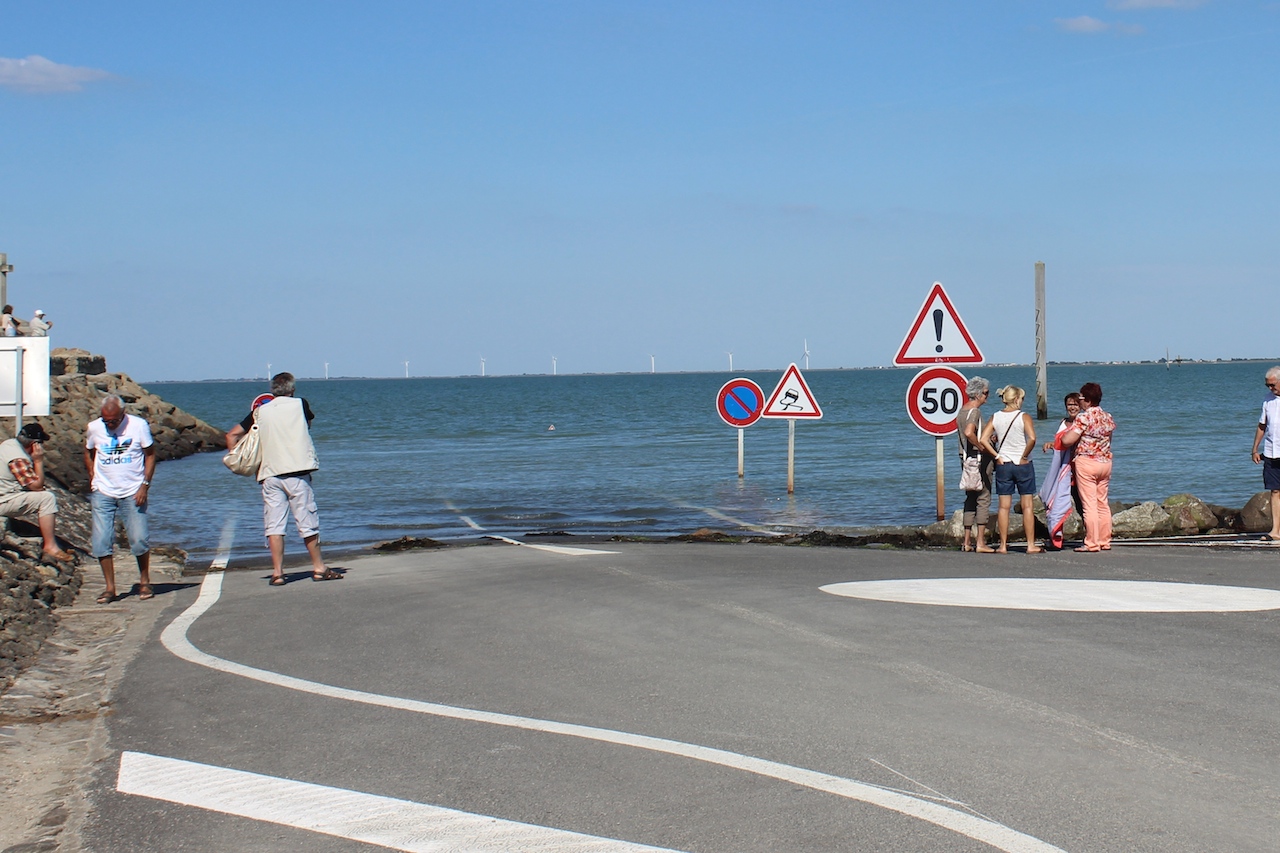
(482, 365)
(553, 365)
(806, 353)
(406, 370)
(730, 362)
(326, 370)
(268, 370)
(651, 367)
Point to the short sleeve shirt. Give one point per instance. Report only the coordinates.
(1270, 422)
(119, 463)
(1095, 428)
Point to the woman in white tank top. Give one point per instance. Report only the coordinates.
(1015, 472)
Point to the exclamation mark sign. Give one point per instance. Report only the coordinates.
(937, 328)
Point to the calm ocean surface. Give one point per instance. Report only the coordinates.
(647, 454)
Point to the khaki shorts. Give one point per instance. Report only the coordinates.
(22, 504)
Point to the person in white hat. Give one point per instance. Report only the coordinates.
(39, 325)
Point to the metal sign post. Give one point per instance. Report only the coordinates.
(791, 400)
(934, 398)
(739, 404)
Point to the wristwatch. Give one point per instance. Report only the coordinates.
(146, 482)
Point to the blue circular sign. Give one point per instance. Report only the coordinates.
(740, 402)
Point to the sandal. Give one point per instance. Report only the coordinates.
(277, 580)
(106, 597)
(145, 592)
(326, 575)
(55, 558)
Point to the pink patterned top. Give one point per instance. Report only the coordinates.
(1095, 427)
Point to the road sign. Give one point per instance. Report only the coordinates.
(740, 402)
(934, 398)
(792, 398)
(938, 336)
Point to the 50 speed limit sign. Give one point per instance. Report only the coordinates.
(934, 398)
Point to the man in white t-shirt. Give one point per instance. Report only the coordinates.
(39, 326)
(1269, 457)
(120, 456)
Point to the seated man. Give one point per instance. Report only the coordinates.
(22, 491)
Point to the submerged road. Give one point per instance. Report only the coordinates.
(698, 697)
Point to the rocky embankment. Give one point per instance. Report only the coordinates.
(30, 592)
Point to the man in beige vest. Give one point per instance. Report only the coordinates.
(288, 458)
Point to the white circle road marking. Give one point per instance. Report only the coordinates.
(997, 835)
(1069, 594)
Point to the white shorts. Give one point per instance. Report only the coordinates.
(292, 493)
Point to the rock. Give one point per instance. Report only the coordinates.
(1146, 519)
(1256, 515)
(1228, 519)
(64, 361)
(1189, 515)
(408, 543)
(704, 534)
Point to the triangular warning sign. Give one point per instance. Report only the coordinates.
(938, 335)
(792, 398)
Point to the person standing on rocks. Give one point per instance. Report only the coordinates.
(22, 491)
(1267, 436)
(288, 458)
(119, 454)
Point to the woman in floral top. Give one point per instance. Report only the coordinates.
(1091, 435)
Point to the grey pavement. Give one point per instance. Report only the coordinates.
(1086, 731)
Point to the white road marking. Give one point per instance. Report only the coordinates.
(1069, 594)
(999, 836)
(465, 518)
(224, 545)
(384, 821)
(720, 516)
(554, 549)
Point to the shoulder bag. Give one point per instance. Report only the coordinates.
(246, 457)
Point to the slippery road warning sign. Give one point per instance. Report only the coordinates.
(792, 398)
(938, 335)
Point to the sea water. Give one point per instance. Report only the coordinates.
(647, 454)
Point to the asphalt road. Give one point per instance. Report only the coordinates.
(698, 697)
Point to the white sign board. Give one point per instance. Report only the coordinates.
(938, 335)
(35, 376)
(792, 398)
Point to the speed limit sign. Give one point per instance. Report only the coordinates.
(934, 398)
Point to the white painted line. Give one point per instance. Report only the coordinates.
(997, 835)
(224, 545)
(1069, 594)
(386, 822)
(449, 505)
(737, 522)
(554, 549)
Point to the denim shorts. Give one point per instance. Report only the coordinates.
(105, 512)
(1020, 478)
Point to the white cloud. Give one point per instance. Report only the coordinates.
(1088, 26)
(1155, 4)
(37, 75)
(1084, 25)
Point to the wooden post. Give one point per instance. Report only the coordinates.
(741, 442)
(1042, 371)
(942, 503)
(791, 456)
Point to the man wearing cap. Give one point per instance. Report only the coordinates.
(22, 491)
(39, 326)
(288, 458)
(121, 458)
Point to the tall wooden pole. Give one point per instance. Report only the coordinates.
(1042, 370)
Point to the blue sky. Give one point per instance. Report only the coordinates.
(198, 190)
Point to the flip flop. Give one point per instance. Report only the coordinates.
(106, 598)
(277, 580)
(145, 592)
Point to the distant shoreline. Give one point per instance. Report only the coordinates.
(1174, 362)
